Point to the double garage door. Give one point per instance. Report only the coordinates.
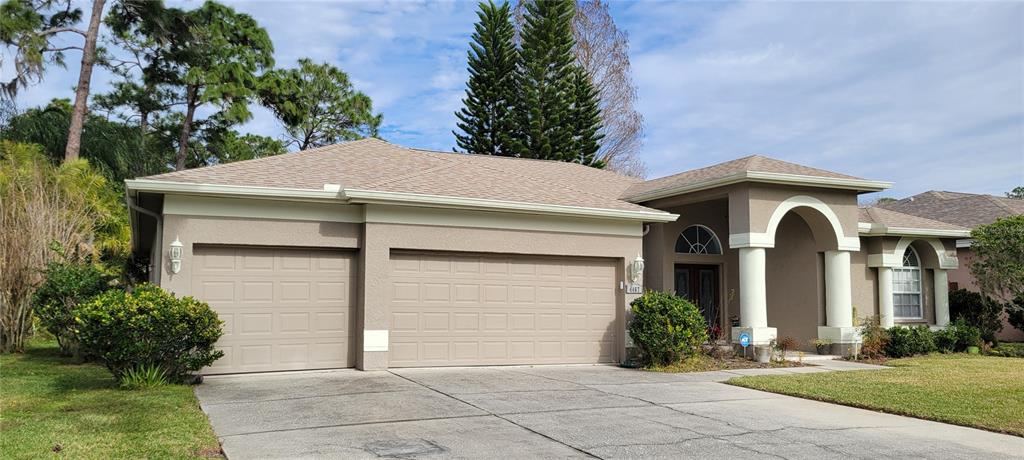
(289, 309)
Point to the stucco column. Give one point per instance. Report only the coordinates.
(886, 315)
(838, 295)
(941, 298)
(753, 298)
(839, 303)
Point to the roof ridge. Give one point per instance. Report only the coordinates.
(999, 202)
(502, 157)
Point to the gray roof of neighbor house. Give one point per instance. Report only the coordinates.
(378, 166)
(963, 209)
(892, 221)
(752, 168)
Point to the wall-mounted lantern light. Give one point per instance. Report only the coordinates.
(636, 271)
(176, 256)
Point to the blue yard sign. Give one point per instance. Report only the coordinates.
(744, 339)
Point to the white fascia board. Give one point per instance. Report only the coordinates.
(860, 185)
(379, 197)
(353, 196)
(964, 243)
(868, 229)
(189, 188)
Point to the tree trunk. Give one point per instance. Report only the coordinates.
(74, 144)
(186, 127)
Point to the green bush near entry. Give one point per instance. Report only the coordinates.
(666, 328)
(149, 328)
(909, 341)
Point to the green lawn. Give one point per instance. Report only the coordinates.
(979, 391)
(50, 407)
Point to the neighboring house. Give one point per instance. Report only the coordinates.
(372, 255)
(966, 210)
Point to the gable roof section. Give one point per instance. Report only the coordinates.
(963, 209)
(873, 220)
(371, 170)
(754, 168)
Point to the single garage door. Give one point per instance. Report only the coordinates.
(483, 309)
(283, 309)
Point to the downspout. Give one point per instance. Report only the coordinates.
(153, 264)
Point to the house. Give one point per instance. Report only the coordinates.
(966, 210)
(372, 255)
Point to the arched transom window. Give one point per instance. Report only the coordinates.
(698, 239)
(906, 287)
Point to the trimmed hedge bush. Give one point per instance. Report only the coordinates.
(666, 328)
(909, 341)
(66, 285)
(149, 328)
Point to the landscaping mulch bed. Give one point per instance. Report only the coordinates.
(705, 363)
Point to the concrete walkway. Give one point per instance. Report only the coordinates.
(561, 412)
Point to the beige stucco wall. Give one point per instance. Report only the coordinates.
(661, 258)
(792, 277)
(865, 282)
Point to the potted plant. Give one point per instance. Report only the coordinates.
(822, 346)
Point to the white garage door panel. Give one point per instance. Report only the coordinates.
(283, 309)
(491, 309)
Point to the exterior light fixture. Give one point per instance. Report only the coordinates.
(636, 271)
(176, 255)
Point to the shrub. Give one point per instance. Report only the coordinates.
(966, 335)
(979, 311)
(784, 344)
(1015, 313)
(149, 327)
(143, 377)
(666, 328)
(873, 338)
(946, 340)
(909, 341)
(66, 284)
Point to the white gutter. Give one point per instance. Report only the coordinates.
(871, 229)
(330, 192)
(860, 185)
(333, 192)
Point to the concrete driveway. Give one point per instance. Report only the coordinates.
(558, 412)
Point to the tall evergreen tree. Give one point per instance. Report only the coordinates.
(487, 120)
(585, 121)
(546, 81)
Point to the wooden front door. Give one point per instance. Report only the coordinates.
(699, 284)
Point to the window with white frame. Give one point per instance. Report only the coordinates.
(906, 287)
(698, 239)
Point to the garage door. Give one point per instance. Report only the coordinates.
(283, 309)
(456, 310)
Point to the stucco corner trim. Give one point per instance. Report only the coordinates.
(375, 340)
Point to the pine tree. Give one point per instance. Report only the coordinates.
(546, 81)
(487, 120)
(585, 121)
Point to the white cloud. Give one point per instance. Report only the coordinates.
(926, 95)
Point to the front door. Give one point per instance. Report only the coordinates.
(699, 284)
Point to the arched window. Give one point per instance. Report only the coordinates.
(906, 287)
(698, 239)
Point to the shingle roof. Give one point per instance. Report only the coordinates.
(889, 218)
(753, 163)
(963, 209)
(373, 164)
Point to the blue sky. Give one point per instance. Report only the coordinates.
(927, 95)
